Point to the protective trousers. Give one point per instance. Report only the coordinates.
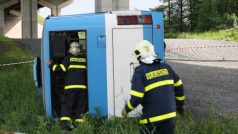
(74, 104)
(163, 127)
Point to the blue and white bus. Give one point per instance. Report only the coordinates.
(108, 41)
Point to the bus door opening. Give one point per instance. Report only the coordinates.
(59, 46)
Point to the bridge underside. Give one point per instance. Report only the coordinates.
(23, 13)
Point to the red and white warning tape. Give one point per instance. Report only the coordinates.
(16, 63)
(202, 47)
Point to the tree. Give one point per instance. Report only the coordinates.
(193, 14)
(180, 5)
(198, 15)
(169, 11)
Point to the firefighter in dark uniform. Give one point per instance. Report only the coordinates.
(158, 89)
(75, 101)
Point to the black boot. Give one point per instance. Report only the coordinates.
(66, 125)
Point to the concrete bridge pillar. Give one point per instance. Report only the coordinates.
(55, 6)
(29, 18)
(55, 11)
(2, 24)
(3, 5)
(111, 5)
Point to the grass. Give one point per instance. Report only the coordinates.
(209, 124)
(20, 105)
(22, 109)
(12, 53)
(228, 35)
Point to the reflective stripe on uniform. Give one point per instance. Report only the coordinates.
(65, 118)
(180, 98)
(75, 86)
(158, 84)
(76, 66)
(78, 59)
(156, 73)
(79, 120)
(54, 67)
(62, 67)
(137, 94)
(158, 118)
(130, 106)
(178, 83)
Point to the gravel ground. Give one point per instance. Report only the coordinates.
(208, 84)
(208, 87)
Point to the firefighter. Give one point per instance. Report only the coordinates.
(74, 99)
(158, 89)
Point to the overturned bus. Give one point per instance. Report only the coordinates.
(108, 40)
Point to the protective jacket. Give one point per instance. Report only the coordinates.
(76, 71)
(158, 89)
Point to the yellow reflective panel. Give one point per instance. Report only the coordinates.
(79, 120)
(137, 94)
(77, 59)
(62, 67)
(65, 118)
(76, 66)
(162, 117)
(54, 67)
(159, 118)
(178, 83)
(130, 106)
(159, 84)
(143, 121)
(81, 35)
(156, 73)
(75, 86)
(180, 98)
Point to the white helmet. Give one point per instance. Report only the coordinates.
(74, 48)
(143, 50)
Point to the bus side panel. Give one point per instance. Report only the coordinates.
(157, 33)
(97, 76)
(124, 63)
(46, 85)
(148, 33)
(96, 58)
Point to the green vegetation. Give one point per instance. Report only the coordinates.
(9, 52)
(20, 105)
(198, 15)
(22, 108)
(209, 124)
(228, 35)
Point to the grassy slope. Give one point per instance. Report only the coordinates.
(22, 109)
(13, 53)
(20, 104)
(228, 35)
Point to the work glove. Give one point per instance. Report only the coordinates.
(180, 110)
(50, 63)
(123, 112)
